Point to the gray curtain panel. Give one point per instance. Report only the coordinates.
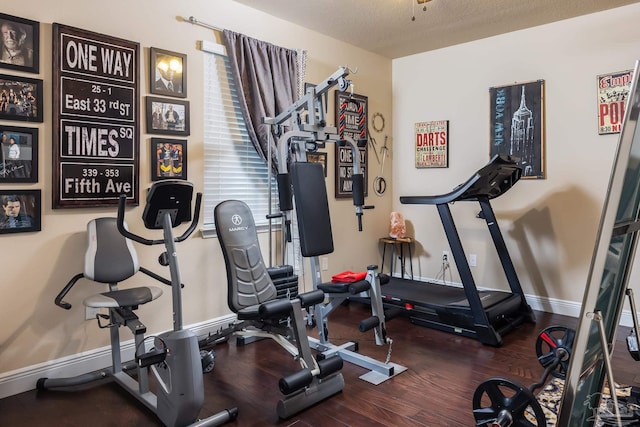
(266, 77)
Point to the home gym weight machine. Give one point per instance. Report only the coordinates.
(175, 358)
(296, 176)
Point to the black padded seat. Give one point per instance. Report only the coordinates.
(334, 288)
(344, 287)
(124, 298)
(249, 313)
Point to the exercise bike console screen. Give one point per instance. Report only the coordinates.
(173, 196)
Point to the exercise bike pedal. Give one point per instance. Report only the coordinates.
(208, 360)
(152, 357)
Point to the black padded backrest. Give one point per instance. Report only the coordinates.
(247, 278)
(110, 257)
(312, 207)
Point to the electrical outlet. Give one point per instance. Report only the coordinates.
(91, 312)
(445, 256)
(473, 261)
(325, 263)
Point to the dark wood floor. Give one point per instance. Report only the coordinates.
(443, 372)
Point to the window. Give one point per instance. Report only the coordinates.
(232, 167)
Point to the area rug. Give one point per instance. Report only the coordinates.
(550, 396)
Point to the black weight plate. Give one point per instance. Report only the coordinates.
(497, 398)
(547, 344)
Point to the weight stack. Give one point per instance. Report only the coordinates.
(285, 281)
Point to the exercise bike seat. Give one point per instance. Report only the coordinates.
(109, 259)
(123, 298)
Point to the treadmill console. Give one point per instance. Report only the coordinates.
(491, 181)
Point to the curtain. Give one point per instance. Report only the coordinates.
(267, 78)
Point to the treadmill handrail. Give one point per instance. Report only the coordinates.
(491, 181)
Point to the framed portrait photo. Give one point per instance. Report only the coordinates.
(168, 159)
(21, 211)
(18, 154)
(20, 44)
(20, 99)
(167, 116)
(168, 73)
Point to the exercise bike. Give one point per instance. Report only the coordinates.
(175, 358)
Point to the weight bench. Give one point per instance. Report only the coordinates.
(314, 229)
(261, 314)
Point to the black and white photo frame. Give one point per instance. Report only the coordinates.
(20, 39)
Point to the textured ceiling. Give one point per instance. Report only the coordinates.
(386, 26)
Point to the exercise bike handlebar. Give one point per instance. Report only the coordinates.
(121, 228)
(67, 306)
(58, 301)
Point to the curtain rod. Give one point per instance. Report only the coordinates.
(194, 21)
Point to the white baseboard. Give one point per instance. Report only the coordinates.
(555, 306)
(24, 379)
(548, 305)
(570, 308)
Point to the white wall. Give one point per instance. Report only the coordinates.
(550, 225)
(37, 265)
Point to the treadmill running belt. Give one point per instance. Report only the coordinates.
(435, 295)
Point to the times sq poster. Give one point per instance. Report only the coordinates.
(613, 90)
(432, 144)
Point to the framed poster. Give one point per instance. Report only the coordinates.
(517, 125)
(167, 116)
(96, 106)
(19, 154)
(432, 144)
(20, 99)
(20, 44)
(21, 211)
(351, 116)
(170, 159)
(168, 73)
(613, 90)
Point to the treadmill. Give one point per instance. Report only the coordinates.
(483, 315)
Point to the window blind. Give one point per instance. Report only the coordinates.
(232, 167)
